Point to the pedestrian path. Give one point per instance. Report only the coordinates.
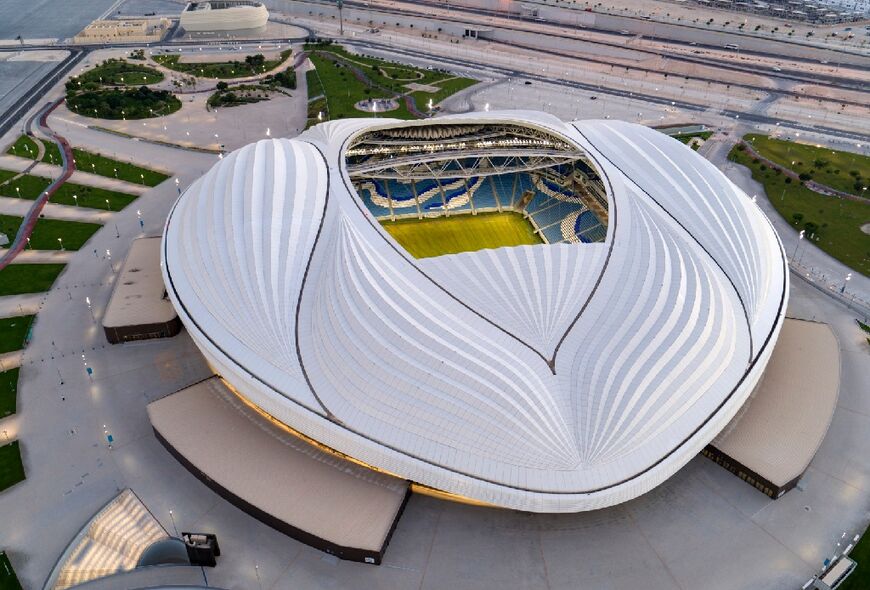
(20, 207)
(10, 360)
(43, 257)
(12, 305)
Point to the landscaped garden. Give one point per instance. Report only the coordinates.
(13, 332)
(11, 468)
(832, 223)
(18, 279)
(117, 72)
(129, 103)
(8, 392)
(30, 187)
(687, 138)
(346, 79)
(238, 95)
(224, 70)
(52, 234)
(843, 171)
(25, 147)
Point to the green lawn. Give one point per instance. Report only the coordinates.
(129, 103)
(843, 171)
(343, 90)
(8, 579)
(8, 391)
(860, 578)
(17, 279)
(11, 468)
(118, 72)
(103, 166)
(30, 187)
(423, 238)
(836, 222)
(47, 231)
(224, 70)
(447, 88)
(88, 162)
(13, 331)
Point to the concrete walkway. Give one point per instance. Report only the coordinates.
(28, 304)
(42, 257)
(20, 207)
(10, 360)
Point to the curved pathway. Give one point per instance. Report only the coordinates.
(32, 216)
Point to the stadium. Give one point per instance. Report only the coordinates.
(501, 307)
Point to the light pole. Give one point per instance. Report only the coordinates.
(60, 241)
(76, 200)
(846, 282)
(90, 309)
(340, 18)
(800, 237)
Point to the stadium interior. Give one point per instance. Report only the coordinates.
(414, 178)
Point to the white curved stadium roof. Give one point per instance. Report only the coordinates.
(548, 378)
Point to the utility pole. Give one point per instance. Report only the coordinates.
(340, 18)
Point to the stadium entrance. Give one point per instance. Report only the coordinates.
(457, 187)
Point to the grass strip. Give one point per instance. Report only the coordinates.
(13, 332)
(18, 279)
(8, 392)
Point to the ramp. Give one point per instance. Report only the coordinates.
(307, 493)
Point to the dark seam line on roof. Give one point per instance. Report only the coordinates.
(727, 276)
(329, 414)
(612, 202)
(407, 257)
(457, 471)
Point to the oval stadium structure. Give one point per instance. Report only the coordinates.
(539, 315)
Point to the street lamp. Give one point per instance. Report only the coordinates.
(846, 282)
(90, 309)
(60, 241)
(76, 199)
(800, 237)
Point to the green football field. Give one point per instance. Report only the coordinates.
(424, 238)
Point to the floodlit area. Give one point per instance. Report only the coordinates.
(423, 295)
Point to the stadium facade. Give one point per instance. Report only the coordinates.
(571, 373)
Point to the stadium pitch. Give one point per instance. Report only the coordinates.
(424, 238)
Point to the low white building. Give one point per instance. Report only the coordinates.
(224, 15)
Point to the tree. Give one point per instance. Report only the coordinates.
(221, 86)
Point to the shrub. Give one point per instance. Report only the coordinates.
(222, 85)
(804, 176)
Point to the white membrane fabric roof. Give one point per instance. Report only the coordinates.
(550, 378)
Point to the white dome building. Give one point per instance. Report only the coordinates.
(568, 375)
(223, 15)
